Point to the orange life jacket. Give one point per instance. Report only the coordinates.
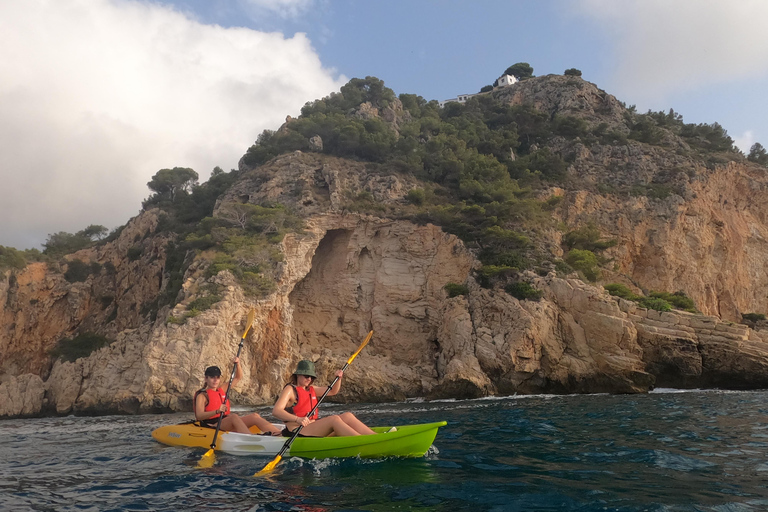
(305, 401)
(215, 399)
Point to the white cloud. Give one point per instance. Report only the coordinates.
(97, 95)
(745, 141)
(665, 46)
(284, 8)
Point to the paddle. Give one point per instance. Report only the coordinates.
(209, 458)
(271, 466)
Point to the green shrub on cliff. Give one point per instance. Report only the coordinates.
(82, 345)
(454, 289)
(620, 290)
(703, 137)
(587, 238)
(523, 291)
(585, 262)
(244, 240)
(660, 301)
(77, 271)
(679, 300)
(203, 303)
(758, 154)
(753, 317)
(655, 303)
(61, 243)
(11, 258)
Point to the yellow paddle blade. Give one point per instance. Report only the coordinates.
(248, 322)
(207, 460)
(361, 347)
(269, 467)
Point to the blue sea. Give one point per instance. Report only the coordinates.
(664, 451)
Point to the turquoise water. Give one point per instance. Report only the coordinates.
(666, 451)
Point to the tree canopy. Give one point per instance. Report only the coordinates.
(758, 154)
(167, 183)
(520, 70)
(62, 242)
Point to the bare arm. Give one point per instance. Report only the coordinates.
(336, 386)
(286, 398)
(238, 375)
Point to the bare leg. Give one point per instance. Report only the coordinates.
(330, 424)
(262, 424)
(359, 427)
(234, 423)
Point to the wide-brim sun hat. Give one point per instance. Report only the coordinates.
(305, 367)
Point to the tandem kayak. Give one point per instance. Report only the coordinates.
(407, 441)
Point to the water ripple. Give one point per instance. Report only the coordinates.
(666, 451)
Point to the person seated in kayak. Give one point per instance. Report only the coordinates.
(209, 404)
(299, 397)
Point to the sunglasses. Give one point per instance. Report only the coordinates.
(213, 376)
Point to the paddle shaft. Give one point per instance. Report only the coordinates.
(226, 395)
(310, 413)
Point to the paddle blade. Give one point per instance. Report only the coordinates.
(207, 460)
(269, 467)
(248, 322)
(361, 347)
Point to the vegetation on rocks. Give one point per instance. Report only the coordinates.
(15, 259)
(78, 270)
(753, 317)
(758, 154)
(61, 243)
(241, 239)
(484, 167)
(523, 291)
(454, 289)
(660, 301)
(482, 163)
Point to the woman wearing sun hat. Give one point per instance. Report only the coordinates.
(299, 397)
(209, 403)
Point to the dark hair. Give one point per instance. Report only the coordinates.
(295, 380)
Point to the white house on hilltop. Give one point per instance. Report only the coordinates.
(503, 81)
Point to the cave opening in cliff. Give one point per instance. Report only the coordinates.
(332, 304)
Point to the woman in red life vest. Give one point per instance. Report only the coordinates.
(300, 396)
(209, 404)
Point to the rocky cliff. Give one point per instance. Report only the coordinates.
(346, 272)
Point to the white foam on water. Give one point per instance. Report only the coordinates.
(672, 391)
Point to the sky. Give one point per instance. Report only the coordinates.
(96, 96)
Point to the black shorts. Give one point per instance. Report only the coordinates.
(210, 423)
(289, 433)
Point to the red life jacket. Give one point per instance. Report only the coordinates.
(306, 400)
(215, 399)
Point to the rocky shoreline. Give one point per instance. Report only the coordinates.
(576, 339)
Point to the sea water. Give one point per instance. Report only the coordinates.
(664, 451)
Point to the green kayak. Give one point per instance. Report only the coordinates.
(406, 441)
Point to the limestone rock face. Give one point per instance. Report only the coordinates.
(713, 246)
(22, 396)
(684, 350)
(700, 228)
(347, 273)
(556, 94)
(39, 305)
